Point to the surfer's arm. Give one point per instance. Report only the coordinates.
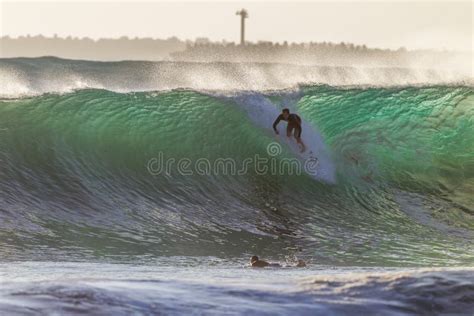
(278, 119)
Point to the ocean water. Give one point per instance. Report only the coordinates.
(99, 214)
(212, 286)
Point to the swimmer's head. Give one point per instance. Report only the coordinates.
(253, 259)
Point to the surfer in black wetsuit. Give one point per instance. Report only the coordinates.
(294, 123)
(255, 262)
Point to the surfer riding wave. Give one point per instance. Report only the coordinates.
(294, 124)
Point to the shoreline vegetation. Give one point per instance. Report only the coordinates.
(205, 50)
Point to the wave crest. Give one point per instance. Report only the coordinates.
(35, 76)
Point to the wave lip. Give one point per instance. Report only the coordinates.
(35, 76)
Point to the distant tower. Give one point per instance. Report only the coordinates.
(243, 15)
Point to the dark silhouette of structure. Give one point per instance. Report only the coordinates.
(204, 50)
(318, 53)
(243, 15)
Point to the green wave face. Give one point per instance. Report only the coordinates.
(75, 176)
(415, 138)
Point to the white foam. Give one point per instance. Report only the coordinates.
(33, 76)
(262, 112)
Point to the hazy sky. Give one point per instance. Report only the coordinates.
(387, 24)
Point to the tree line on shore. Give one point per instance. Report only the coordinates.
(205, 50)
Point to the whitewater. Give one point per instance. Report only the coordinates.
(89, 225)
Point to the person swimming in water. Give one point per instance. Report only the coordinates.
(294, 123)
(255, 262)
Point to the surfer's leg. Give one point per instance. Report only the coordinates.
(303, 147)
(298, 138)
(298, 132)
(289, 129)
